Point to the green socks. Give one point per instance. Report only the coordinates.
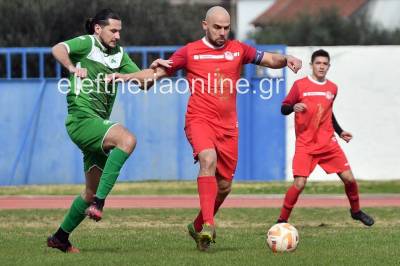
(75, 215)
(114, 163)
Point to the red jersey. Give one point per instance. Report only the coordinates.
(314, 129)
(212, 73)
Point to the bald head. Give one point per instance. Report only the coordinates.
(217, 12)
(217, 24)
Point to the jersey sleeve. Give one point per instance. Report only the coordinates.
(293, 97)
(127, 65)
(179, 60)
(336, 92)
(79, 46)
(251, 54)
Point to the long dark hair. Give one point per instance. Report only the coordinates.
(101, 19)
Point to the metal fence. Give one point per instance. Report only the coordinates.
(14, 61)
(37, 149)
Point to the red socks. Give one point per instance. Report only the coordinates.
(352, 194)
(207, 188)
(198, 222)
(290, 200)
(293, 194)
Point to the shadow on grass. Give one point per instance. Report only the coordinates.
(103, 250)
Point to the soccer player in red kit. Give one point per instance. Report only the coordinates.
(213, 66)
(311, 98)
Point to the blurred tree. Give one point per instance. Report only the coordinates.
(329, 28)
(145, 22)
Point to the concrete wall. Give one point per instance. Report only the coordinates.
(37, 150)
(368, 105)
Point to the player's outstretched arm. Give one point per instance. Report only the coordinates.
(146, 77)
(273, 60)
(60, 53)
(140, 76)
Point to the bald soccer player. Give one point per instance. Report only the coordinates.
(213, 65)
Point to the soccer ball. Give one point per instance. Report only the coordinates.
(282, 237)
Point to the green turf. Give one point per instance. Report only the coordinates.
(190, 187)
(158, 237)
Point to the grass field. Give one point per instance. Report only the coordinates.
(158, 237)
(190, 187)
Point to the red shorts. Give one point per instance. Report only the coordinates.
(202, 136)
(333, 161)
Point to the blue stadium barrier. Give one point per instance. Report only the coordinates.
(37, 150)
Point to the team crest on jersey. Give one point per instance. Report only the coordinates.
(329, 95)
(111, 61)
(228, 56)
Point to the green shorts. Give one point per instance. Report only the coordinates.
(88, 134)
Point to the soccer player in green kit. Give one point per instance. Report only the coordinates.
(105, 145)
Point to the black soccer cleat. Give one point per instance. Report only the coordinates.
(362, 217)
(281, 221)
(53, 242)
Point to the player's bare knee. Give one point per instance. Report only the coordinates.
(299, 186)
(300, 183)
(131, 141)
(128, 143)
(88, 195)
(224, 191)
(347, 177)
(208, 162)
(348, 180)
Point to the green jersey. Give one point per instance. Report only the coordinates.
(91, 97)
